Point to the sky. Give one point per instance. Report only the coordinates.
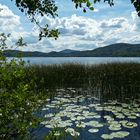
(79, 31)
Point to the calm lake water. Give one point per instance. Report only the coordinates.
(81, 60)
(84, 117)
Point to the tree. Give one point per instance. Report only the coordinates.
(18, 96)
(33, 8)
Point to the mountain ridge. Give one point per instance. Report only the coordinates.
(113, 50)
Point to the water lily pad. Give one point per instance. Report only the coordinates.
(49, 126)
(44, 109)
(49, 115)
(113, 128)
(109, 118)
(120, 116)
(93, 130)
(130, 124)
(80, 118)
(72, 132)
(120, 134)
(107, 136)
(99, 108)
(132, 117)
(80, 124)
(97, 116)
(92, 123)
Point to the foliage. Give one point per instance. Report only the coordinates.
(113, 80)
(136, 4)
(18, 100)
(34, 8)
(56, 134)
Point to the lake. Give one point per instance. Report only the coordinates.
(74, 116)
(81, 60)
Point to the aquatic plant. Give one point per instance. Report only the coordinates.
(105, 81)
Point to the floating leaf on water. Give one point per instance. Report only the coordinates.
(112, 122)
(85, 112)
(80, 124)
(80, 118)
(43, 109)
(93, 130)
(49, 115)
(109, 118)
(123, 121)
(44, 122)
(124, 105)
(99, 125)
(120, 134)
(48, 100)
(94, 124)
(136, 105)
(132, 117)
(113, 128)
(49, 126)
(64, 124)
(57, 133)
(138, 115)
(72, 132)
(99, 108)
(118, 109)
(107, 136)
(121, 116)
(130, 124)
(92, 105)
(73, 118)
(89, 117)
(97, 116)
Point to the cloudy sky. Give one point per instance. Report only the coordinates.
(79, 31)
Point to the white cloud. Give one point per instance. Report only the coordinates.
(81, 33)
(77, 32)
(8, 20)
(136, 21)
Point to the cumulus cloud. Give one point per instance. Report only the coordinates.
(77, 32)
(8, 20)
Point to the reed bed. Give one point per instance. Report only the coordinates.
(114, 80)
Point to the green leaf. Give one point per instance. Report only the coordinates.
(91, 8)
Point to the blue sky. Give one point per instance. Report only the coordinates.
(79, 31)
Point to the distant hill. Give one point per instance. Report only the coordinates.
(67, 51)
(114, 50)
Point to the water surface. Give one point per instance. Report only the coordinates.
(87, 118)
(81, 60)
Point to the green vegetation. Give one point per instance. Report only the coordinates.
(114, 80)
(18, 99)
(25, 88)
(72, 116)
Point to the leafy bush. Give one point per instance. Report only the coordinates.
(18, 100)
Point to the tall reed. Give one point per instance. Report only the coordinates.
(116, 80)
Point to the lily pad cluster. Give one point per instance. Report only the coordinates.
(73, 113)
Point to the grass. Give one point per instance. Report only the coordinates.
(114, 80)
